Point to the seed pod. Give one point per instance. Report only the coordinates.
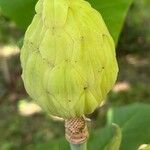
(68, 58)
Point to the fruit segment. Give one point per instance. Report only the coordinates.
(68, 58)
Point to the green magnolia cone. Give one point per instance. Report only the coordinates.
(68, 58)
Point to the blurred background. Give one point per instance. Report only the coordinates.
(23, 124)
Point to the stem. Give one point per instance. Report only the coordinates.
(82, 146)
(76, 133)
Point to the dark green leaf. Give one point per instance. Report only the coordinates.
(59, 144)
(134, 121)
(108, 138)
(20, 11)
(115, 142)
(113, 12)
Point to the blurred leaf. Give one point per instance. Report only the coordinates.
(20, 11)
(108, 138)
(60, 144)
(116, 140)
(114, 13)
(134, 121)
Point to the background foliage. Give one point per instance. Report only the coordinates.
(22, 12)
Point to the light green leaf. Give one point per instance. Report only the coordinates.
(116, 140)
(108, 138)
(134, 121)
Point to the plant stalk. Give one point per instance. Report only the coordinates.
(82, 146)
(76, 133)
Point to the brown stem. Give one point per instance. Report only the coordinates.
(76, 131)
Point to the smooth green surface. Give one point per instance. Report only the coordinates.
(113, 12)
(134, 121)
(59, 144)
(108, 138)
(82, 146)
(115, 142)
(20, 11)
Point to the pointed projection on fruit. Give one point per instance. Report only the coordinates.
(68, 58)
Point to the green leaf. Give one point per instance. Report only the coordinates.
(20, 11)
(134, 121)
(116, 140)
(113, 12)
(108, 138)
(59, 144)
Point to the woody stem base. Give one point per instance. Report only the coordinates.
(76, 133)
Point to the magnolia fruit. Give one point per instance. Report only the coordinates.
(68, 58)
